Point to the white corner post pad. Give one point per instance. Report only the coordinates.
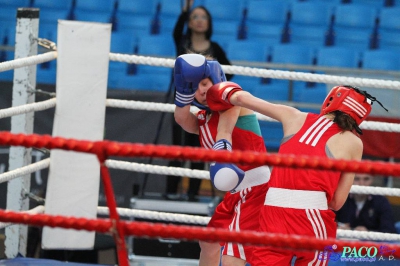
(81, 87)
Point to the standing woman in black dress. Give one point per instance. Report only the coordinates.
(197, 39)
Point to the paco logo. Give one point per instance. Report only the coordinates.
(361, 254)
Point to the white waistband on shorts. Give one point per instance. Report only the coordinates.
(296, 199)
(255, 177)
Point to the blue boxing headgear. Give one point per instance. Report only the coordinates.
(216, 74)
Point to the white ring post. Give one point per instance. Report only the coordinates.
(81, 87)
(24, 80)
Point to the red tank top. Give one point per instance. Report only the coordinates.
(242, 139)
(309, 140)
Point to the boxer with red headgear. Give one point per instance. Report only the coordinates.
(234, 128)
(301, 201)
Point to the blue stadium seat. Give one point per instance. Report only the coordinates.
(48, 31)
(224, 31)
(170, 11)
(381, 60)
(6, 56)
(268, 33)
(325, 57)
(157, 45)
(292, 54)
(303, 93)
(360, 39)
(314, 36)
(277, 89)
(15, 3)
(355, 16)
(137, 25)
(171, 8)
(46, 4)
(8, 13)
(272, 133)
(146, 77)
(46, 72)
(389, 40)
(124, 44)
(373, 3)
(354, 25)
(52, 15)
(224, 9)
(167, 24)
(267, 12)
(317, 13)
(147, 82)
(95, 5)
(310, 28)
(93, 16)
(48, 22)
(247, 50)
(338, 57)
(389, 19)
(389, 28)
(137, 7)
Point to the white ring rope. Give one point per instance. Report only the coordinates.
(168, 170)
(165, 107)
(202, 220)
(38, 106)
(159, 216)
(202, 174)
(25, 170)
(157, 169)
(367, 235)
(238, 70)
(266, 73)
(384, 191)
(28, 61)
(153, 106)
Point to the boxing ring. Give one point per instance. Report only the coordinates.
(76, 146)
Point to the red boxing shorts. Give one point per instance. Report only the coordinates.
(239, 211)
(305, 213)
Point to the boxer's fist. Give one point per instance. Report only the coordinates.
(189, 70)
(219, 94)
(225, 176)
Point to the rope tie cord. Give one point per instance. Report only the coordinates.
(199, 154)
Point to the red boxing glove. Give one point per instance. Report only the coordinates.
(219, 94)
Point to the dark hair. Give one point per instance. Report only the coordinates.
(209, 31)
(346, 122)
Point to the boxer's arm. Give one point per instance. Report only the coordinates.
(276, 111)
(227, 122)
(187, 120)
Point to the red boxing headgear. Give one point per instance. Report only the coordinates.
(349, 100)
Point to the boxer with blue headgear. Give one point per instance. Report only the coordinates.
(194, 77)
(223, 128)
